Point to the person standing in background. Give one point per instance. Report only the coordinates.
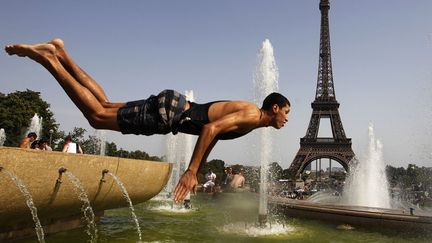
(71, 147)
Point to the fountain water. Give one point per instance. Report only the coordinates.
(367, 183)
(179, 150)
(2, 136)
(188, 138)
(131, 207)
(101, 141)
(86, 207)
(188, 141)
(265, 82)
(36, 125)
(29, 202)
(171, 154)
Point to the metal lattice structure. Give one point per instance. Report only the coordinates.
(326, 106)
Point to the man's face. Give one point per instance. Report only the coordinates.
(281, 115)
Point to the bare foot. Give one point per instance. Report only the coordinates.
(58, 43)
(37, 52)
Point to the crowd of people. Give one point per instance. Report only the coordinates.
(31, 142)
(232, 180)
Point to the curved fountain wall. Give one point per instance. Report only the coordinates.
(57, 202)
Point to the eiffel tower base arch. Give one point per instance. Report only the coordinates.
(341, 153)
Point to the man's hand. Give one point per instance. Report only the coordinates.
(187, 183)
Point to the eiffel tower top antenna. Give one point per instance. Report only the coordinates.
(325, 87)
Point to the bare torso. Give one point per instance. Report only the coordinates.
(239, 111)
(237, 181)
(25, 142)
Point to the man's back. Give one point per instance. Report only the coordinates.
(25, 142)
(237, 181)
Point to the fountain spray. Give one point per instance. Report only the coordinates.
(29, 201)
(188, 147)
(171, 154)
(100, 141)
(265, 82)
(2, 136)
(126, 196)
(179, 150)
(86, 208)
(367, 183)
(36, 125)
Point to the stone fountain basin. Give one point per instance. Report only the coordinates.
(369, 217)
(39, 171)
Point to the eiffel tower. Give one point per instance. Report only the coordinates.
(312, 147)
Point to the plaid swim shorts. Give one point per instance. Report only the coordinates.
(155, 115)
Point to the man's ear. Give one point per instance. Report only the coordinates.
(275, 108)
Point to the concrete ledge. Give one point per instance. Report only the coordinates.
(359, 216)
(39, 171)
(50, 226)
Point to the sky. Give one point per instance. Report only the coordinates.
(381, 56)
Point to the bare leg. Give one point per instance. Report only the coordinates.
(98, 116)
(80, 75)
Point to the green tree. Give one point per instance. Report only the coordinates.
(412, 175)
(275, 171)
(16, 111)
(122, 153)
(396, 176)
(217, 167)
(286, 174)
(252, 176)
(111, 149)
(92, 145)
(412, 178)
(237, 168)
(138, 154)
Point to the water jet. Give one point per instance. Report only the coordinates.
(265, 82)
(2, 136)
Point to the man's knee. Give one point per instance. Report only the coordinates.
(98, 120)
(94, 122)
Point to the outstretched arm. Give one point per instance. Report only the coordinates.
(204, 145)
(189, 181)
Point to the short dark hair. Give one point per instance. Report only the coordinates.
(32, 134)
(68, 138)
(274, 98)
(34, 144)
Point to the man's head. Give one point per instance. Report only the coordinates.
(32, 136)
(279, 106)
(42, 143)
(34, 144)
(68, 139)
